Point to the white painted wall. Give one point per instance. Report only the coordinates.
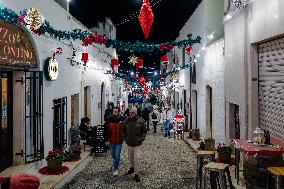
(71, 79)
(206, 19)
(261, 20)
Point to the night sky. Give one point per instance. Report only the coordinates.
(170, 17)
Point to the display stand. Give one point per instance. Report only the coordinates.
(179, 126)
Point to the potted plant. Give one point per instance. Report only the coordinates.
(76, 150)
(55, 159)
(224, 153)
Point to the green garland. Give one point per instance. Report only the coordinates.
(10, 16)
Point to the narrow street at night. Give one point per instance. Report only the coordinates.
(165, 164)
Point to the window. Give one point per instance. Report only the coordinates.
(60, 123)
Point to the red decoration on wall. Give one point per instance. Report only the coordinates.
(164, 47)
(142, 80)
(188, 49)
(85, 58)
(114, 62)
(146, 18)
(94, 38)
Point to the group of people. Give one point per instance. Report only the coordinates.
(130, 129)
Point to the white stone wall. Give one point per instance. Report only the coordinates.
(261, 20)
(206, 19)
(71, 79)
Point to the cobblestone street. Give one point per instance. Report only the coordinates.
(165, 163)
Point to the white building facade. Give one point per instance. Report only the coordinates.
(78, 91)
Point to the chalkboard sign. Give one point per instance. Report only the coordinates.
(99, 139)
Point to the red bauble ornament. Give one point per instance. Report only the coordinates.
(114, 62)
(146, 18)
(188, 49)
(85, 58)
(165, 47)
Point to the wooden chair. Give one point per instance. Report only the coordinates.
(201, 155)
(278, 174)
(220, 168)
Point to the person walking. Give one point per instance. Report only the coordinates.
(108, 111)
(114, 138)
(154, 117)
(145, 116)
(166, 120)
(134, 133)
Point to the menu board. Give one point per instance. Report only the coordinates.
(100, 139)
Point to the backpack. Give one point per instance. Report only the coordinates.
(154, 116)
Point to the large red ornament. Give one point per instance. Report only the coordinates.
(85, 58)
(142, 80)
(114, 62)
(146, 18)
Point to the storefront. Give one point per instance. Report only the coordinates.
(20, 98)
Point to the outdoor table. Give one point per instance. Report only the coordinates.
(251, 149)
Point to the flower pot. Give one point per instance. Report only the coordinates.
(54, 165)
(225, 157)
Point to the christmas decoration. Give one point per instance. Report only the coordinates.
(140, 64)
(188, 49)
(31, 18)
(51, 69)
(114, 62)
(146, 18)
(57, 51)
(85, 58)
(142, 80)
(133, 60)
(164, 60)
(165, 47)
(94, 38)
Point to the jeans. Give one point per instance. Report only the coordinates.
(167, 128)
(115, 150)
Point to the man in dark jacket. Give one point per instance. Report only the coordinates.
(134, 133)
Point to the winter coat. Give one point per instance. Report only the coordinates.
(114, 130)
(134, 131)
(167, 116)
(157, 114)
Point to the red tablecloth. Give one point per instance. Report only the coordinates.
(253, 149)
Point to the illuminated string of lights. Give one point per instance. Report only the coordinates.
(135, 14)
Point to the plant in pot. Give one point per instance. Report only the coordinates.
(224, 153)
(76, 150)
(55, 159)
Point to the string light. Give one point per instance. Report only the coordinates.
(134, 15)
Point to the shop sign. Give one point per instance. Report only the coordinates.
(16, 50)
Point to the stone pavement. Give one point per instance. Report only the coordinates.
(165, 164)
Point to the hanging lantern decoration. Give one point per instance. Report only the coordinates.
(85, 58)
(142, 80)
(146, 18)
(165, 60)
(188, 50)
(114, 63)
(140, 64)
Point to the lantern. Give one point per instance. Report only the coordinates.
(188, 49)
(165, 59)
(146, 18)
(140, 64)
(114, 62)
(85, 58)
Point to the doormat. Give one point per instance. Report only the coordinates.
(73, 159)
(45, 171)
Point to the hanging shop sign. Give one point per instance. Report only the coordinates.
(16, 50)
(51, 69)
